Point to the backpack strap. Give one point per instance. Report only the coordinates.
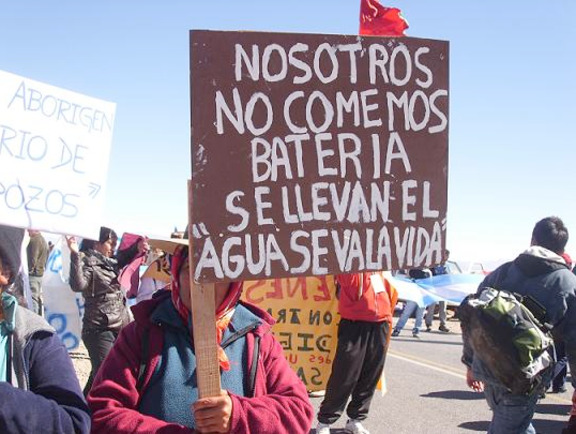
(529, 302)
(142, 369)
(254, 367)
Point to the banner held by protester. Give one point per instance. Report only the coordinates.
(63, 308)
(305, 310)
(54, 148)
(317, 154)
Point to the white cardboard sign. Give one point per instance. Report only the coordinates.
(54, 150)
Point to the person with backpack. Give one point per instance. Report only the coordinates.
(541, 277)
(148, 382)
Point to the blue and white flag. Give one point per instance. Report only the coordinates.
(451, 288)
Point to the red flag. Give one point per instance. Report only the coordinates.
(378, 20)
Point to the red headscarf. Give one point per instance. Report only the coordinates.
(224, 312)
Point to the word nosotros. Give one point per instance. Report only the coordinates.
(363, 108)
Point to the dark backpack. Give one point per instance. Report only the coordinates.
(508, 334)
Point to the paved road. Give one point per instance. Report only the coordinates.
(427, 393)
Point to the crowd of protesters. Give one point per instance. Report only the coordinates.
(143, 361)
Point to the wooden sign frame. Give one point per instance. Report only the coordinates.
(202, 299)
(306, 162)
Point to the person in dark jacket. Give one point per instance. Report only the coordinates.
(39, 390)
(94, 272)
(541, 273)
(561, 368)
(148, 382)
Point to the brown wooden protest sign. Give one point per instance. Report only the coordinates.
(316, 154)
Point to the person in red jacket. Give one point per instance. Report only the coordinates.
(148, 381)
(365, 302)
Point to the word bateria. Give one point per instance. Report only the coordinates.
(366, 249)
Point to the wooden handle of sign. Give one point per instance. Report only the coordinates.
(203, 324)
(205, 344)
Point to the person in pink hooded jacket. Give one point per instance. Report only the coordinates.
(148, 381)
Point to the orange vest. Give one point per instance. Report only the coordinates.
(366, 297)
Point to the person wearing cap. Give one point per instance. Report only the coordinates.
(148, 381)
(39, 390)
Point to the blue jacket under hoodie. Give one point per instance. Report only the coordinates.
(43, 394)
(173, 386)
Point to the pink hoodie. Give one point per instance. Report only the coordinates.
(280, 403)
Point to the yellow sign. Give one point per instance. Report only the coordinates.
(306, 313)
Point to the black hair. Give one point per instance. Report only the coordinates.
(105, 235)
(10, 246)
(551, 234)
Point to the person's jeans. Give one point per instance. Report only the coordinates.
(561, 368)
(409, 308)
(36, 290)
(510, 413)
(441, 313)
(98, 343)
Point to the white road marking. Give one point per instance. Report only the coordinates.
(452, 371)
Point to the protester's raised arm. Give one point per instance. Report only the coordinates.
(72, 243)
(136, 250)
(80, 274)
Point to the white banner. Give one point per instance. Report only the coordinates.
(63, 308)
(54, 149)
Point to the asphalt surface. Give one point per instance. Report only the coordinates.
(427, 392)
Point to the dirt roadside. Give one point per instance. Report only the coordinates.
(81, 363)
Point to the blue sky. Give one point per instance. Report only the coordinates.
(512, 93)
